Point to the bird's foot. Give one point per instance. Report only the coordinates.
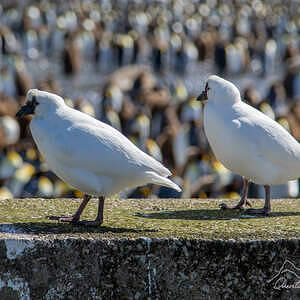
(67, 219)
(258, 211)
(94, 223)
(238, 206)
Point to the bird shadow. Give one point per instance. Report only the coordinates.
(62, 228)
(209, 214)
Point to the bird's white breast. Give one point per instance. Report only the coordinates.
(219, 132)
(46, 137)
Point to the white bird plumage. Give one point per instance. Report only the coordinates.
(247, 141)
(88, 154)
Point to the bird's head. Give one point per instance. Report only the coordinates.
(39, 103)
(220, 90)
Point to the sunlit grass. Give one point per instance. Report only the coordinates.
(160, 218)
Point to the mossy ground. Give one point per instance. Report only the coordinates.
(161, 218)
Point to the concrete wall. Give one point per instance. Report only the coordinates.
(69, 268)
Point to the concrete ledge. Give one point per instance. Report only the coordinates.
(146, 269)
(44, 260)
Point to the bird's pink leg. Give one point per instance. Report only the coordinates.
(99, 219)
(243, 201)
(75, 218)
(267, 207)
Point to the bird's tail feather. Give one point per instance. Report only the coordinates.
(157, 167)
(160, 180)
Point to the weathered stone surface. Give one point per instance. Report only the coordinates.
(128, 260)
(147, 269)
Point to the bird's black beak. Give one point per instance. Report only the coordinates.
(203, 96)
(26, 109)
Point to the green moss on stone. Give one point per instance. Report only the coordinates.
(160, 218)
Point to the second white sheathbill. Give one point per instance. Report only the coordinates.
(248, 142)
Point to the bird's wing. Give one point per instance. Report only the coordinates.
(84, 142)
(267, 138)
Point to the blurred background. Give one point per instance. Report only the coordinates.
(138, 66)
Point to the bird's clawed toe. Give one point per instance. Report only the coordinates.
(242, 205)
(223, 206)
(248, 203)
(238, 206)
